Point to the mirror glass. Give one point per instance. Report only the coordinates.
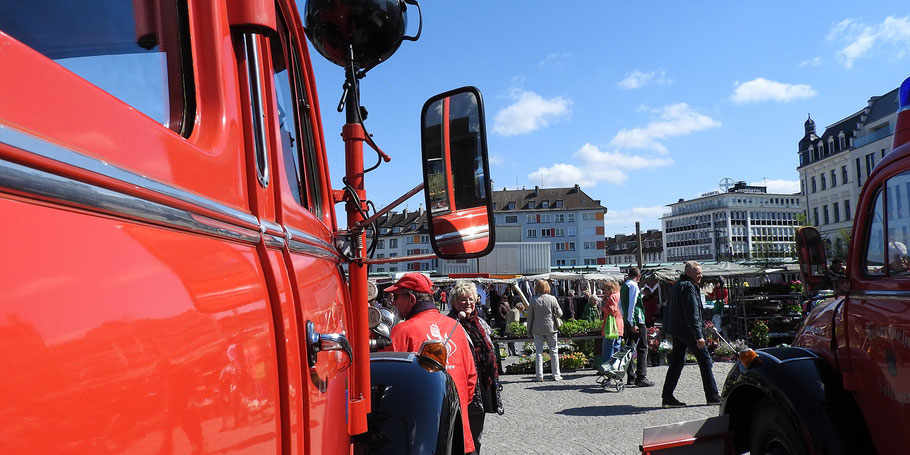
(456, 174)
(810, 249)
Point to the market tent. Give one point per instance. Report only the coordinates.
(671, 272)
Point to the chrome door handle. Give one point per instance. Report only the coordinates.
(316, 342)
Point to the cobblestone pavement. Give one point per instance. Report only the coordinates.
(576, 416)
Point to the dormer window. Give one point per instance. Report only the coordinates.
(530, 204)
(510, 206)
(413, 226)
(843, 141)
(545, 204)
(830, 145)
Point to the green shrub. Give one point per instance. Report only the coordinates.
(758, 334)
(517, 329)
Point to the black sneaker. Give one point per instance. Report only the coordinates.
(644, 383)
(672, 403)
(714, 400)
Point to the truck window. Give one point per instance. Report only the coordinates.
(141, 56)
(297, 143)
(897, 192)
(875, 242)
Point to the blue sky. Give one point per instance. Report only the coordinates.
(640, 103)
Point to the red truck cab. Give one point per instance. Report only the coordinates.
(844, 386)
(175, 274)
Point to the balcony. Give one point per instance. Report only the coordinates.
(873, 136)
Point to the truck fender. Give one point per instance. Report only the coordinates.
(413, 410)
(809, 392)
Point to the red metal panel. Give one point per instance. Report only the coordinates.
(126, 337)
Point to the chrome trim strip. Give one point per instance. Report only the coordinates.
(16, 178)
(467, 234)
(882, 295)
(272, 234)
(257, 113)
(46, 149)
(301, 242)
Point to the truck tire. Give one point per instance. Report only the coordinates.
(773, 433)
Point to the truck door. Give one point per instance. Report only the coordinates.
(304, 210)
(878, 314)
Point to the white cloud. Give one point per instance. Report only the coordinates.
(496, 160)
(862, 39)
(761, 89)
(674, 120)
(636, 79)
(555, 58)
(529, 112)
(779, 186)
(594, 166)
(817, 61)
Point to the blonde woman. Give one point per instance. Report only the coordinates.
(542, 315)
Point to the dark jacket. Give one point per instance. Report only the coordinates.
(682, 318)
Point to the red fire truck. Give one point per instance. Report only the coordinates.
(844, 386)
(176, 279)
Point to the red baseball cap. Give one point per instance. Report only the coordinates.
(413, 281)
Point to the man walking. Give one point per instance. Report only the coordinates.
(683, 321)
(635, 332)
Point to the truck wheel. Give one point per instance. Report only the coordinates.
(773, 434)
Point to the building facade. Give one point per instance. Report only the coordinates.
(403, 234)
(834, 166)
(622, 249)
(746, 222)
(570, 220)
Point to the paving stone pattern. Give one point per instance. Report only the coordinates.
(576, 416)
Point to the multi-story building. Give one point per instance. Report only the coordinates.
(570, 220)
(623, 249)
(746, 222)
(403, 234)
(834, 166)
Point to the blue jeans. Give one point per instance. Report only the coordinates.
(609, 347)
(678, 360)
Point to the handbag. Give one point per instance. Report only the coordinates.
(557, 322)
(611, 331)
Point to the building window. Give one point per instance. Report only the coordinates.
(511, 218)
(545, 218)
(843, 174)
(560, 246)
(393, 243)
(587, 216)
(870, 163)
(532, 218)
(424, 239)
(570, 232)
(510, 206)
(859, 180)
(557, 203)
(530, 204)
(545, 204)
(532, 233)
(560, 262)
(833, 178)
(848, 214)
(590, 245)
(825, 213)
(815, 215)
(883, 153)
(802, 186)
(559, 217)
(836, 208)
(546, 233)
(380, 244)
(571, 217)
(824, 184)
(570, 246)
(814, 188)
(843, 141)
(559, 232)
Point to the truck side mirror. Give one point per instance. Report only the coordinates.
(810, 250)
(456, 174)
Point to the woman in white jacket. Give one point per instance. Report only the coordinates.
(542, 315)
